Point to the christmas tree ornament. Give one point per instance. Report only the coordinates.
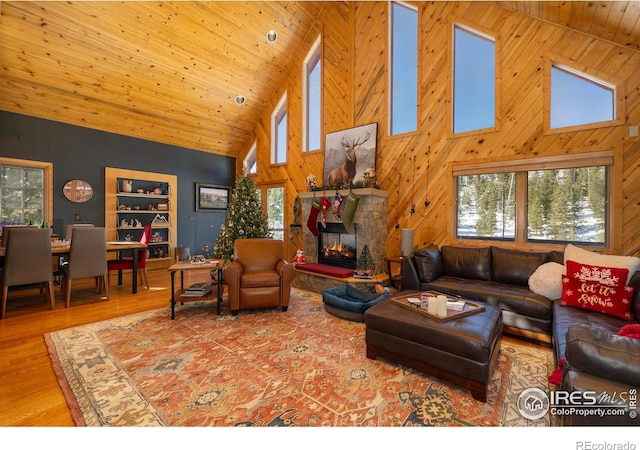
(324, 201)
(337, 203)
(350, 207)
(312, 221)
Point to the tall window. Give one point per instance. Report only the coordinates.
(275, 211)
(312, 97)
(249, 164)
(279, 132)
(552, 201)
(404, 69)
(474, 85)
(25, 191)
(272, 199)
(579, 99)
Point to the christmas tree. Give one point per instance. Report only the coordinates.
(365, 266)
(244, 219)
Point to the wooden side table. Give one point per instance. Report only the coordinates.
(395, 276)
(182, 267)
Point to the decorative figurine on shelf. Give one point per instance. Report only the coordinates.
(159, 252)
(311, 182)
(124, 224)
(128, 237)
(155, 237)
(299, 258)
(159, 219)
(138, 224)
(369, 176)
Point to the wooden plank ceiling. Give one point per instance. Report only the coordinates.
(170, 72)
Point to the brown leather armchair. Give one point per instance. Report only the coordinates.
(258, 277)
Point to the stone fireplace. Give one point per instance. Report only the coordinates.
(370, 223)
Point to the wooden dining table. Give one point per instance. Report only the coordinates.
(112, 246)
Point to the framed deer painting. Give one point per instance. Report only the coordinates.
(350, 157)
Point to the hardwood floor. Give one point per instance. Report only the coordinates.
(29, 392)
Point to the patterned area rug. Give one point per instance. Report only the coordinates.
(303, 367)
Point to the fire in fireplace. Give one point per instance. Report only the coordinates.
(336, 247)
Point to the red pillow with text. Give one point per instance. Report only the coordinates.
(595, 288)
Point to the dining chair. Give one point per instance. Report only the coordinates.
(27, 261)
(126, 262)
(68, 232)
(87, 259)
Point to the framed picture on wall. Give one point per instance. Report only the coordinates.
(210, 197)
(350, 157)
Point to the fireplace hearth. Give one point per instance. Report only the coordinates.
(336, 247)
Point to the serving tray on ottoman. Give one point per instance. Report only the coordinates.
(468, 309)
(461, 351)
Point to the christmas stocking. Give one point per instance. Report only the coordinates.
(312, 221)
(337, 203)
(350, 211)
(325, 206)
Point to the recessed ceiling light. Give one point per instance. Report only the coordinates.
(240, 100)
(272, 36)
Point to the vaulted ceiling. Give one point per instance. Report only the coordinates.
(170, 71)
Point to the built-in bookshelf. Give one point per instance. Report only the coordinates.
(134, 199)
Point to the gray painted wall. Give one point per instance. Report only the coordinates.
(83, 153)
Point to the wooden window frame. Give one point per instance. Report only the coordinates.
(47, 169)
(313, 57)
(279, 114)
(608, 158)
(489, 35)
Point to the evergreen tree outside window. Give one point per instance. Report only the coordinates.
(578, 99)
(567, 205)
(486, 206)
(559, 205)
(312, 97)
(474, 85)
(25, 191)
(279, 132)
(275, 212)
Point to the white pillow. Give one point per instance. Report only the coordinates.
(547, 280)
(582, 256)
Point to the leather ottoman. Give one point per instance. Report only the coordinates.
(462, 351)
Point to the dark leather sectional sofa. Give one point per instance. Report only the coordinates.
(596, 359)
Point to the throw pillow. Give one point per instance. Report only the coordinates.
(631, 263)
(597, 289)
(547, 280)
(428, 263)
(631, 330)
(556, 375)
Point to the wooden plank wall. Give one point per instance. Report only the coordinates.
(416, 167)
(335, 25)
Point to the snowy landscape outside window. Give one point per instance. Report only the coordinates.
(560, 205)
